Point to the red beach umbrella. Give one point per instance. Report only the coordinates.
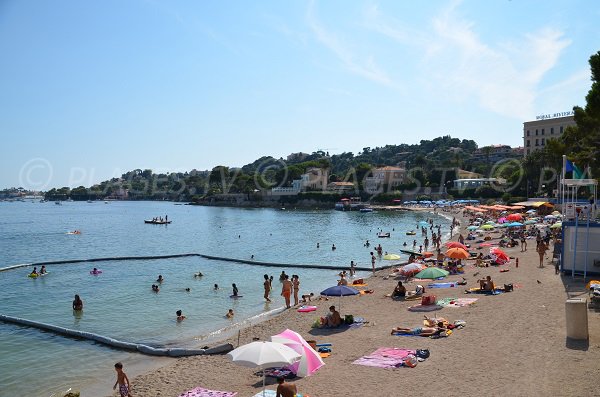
(499, 256)
(515, 217)
(456, 244)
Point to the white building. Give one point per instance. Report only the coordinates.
(385, 178)
(537, 133)
(475, 183)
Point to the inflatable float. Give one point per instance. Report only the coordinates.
(306, 309)
(236, 296)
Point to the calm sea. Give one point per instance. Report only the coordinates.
(119, 302)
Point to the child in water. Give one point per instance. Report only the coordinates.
(180, 316)
(235, 289)
(229, 313)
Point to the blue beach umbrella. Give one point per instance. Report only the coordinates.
(515, 224)
(340, 290)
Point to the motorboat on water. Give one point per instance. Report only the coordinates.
(383, 235)
(411, 233)
(156, 222)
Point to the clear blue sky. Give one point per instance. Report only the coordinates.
(91, 89)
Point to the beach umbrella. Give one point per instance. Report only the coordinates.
(412, 268)
(515, 224)
(490, 223)
(391, 257)
(557, 225)
(515, 217)
(472, 227)
(502, 220)
(556, 213)
(531, 211)
(340, 290)
(457, 253)
(263, 355)
(499, 256)
(432, 273)
(456, 244)
(310, 360)
(529, 222)
(487, 227)
(485, 245)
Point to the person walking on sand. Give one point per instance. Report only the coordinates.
(267, 286)
(286, 290)
(541, 249)
(296, 288)
(122, 381)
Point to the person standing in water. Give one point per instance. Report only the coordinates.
(296, 288)
(286, 290)
(267, 286)
(77, 303)
(235, 290)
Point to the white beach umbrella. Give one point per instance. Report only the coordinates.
(263, 355)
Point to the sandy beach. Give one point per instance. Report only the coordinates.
(513, 343)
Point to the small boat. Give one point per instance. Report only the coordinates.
(383, 235)
(366, 210)
(411, 233)
(154, 222)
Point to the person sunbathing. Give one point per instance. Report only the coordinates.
(399, 291)
(333, 318)
(486, 284)
(419, 331)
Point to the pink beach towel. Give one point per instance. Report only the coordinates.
(385, 357)
(462, 302)
(202, 392)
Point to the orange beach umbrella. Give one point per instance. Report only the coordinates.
(457, 253)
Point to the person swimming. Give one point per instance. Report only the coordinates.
(160, 279)
(216, 287)
(34, 272)
(199, 274)
(43, 270)
(229, 314)
(180, 316)
(155, 288)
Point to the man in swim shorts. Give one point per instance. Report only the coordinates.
(286, 290)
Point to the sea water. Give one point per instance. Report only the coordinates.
(119, 302)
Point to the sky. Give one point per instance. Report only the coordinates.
(92, 89)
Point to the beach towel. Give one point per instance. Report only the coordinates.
(273, 393)
(277, 372)
(385, 357)
(424, 308)
(479, 291)
(202, 392)
(442, 285)
(456, 302)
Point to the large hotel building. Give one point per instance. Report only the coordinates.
(537, 133)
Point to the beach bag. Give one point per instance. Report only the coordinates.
(422, 353)
(428, 300)
(349, 319)
(508, 287)
(410, 361)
